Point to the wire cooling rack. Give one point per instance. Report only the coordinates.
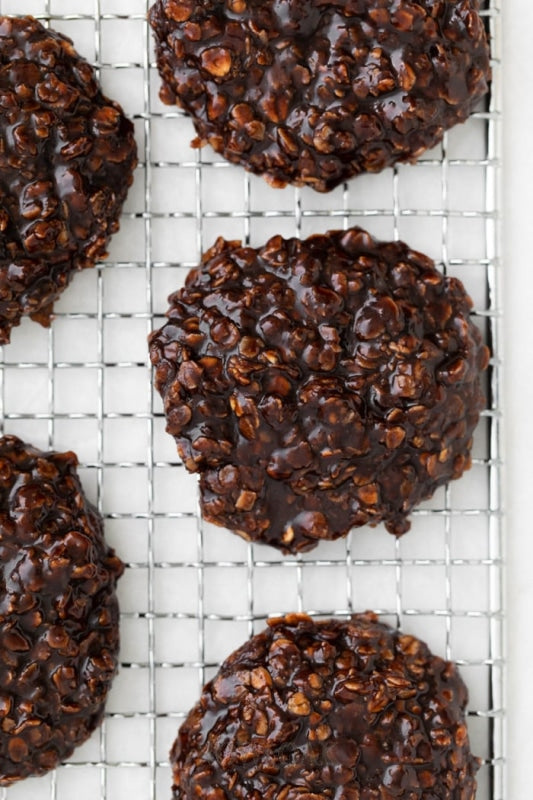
(191, 593)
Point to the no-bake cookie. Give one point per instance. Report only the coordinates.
(313, 93)
(318, 385)
(343, 710)
(59, 633)
(67, 155)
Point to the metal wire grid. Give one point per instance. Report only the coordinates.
(190, 593)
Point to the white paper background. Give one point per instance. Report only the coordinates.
(518, 207)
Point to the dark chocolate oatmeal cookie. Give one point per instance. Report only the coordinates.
(312, 710)
(67, 156)
(312, 93)
(59, 634)
(318, 385)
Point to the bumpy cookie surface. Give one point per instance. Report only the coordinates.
(67, 156)
(318, 385)
(343, 710)
(313, 93)
(59, 633)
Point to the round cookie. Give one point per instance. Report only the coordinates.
(59, 634)
(314, 93)
(343, 710)
(67, 156)
(318, 385)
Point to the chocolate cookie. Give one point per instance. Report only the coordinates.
(318, 385)
(312, 93)
(67, 156)
(58, 611)
(343, 710)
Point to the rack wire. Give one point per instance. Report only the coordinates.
(191, 593)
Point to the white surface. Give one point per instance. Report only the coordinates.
(191, 593)
(518, 208)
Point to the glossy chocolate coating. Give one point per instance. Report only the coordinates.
(59, 634)
(67, 156)
(318, 385)
(342, 710)
(313, 93)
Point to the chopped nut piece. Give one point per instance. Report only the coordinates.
(260, 678)
(179, 10)
(245, 501)
(244, 740)
(323, 392)
(288, 535)
(217, 61)
(299, 704)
